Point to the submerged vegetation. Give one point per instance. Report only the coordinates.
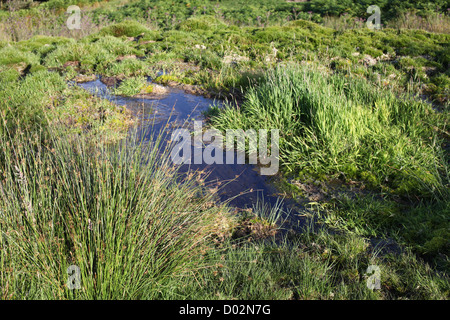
(363, 120)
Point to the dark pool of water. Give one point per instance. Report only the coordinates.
(241, 183)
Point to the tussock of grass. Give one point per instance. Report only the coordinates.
(131, 86)
(120, 213)
(128, 67)
(274, 215)
(332, 124)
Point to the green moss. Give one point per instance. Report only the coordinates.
(437, 244)
(341, 65)
(27, 98)
(87, 54)
(369, 178)
(351, 170)
(148, 89)
(166, 78)
(442, 81)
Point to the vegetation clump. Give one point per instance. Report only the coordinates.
(339, 125)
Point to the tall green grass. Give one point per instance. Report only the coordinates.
(331, 124)
(121, 213)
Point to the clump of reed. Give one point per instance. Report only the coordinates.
(331, 124)
(121, 213)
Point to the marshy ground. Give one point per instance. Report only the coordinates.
(363, 120)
